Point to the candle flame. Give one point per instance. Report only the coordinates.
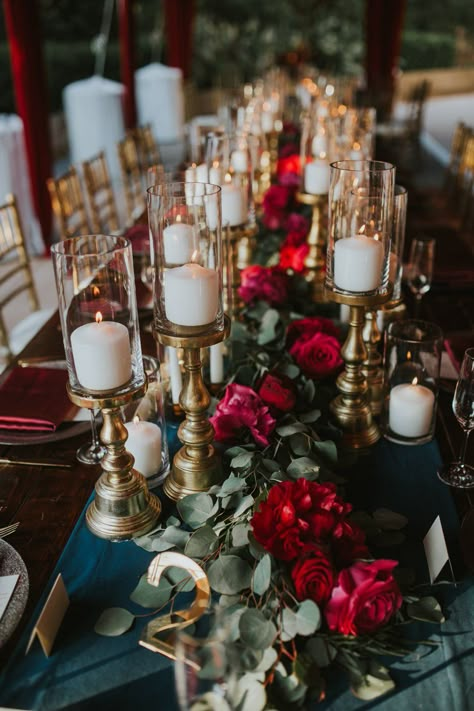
(178, 218)
(95, 291)
(377, 236)
(136, 419)
(98, 317)
(356, 146)
(228, 178)
(322, 155)
(414, 381)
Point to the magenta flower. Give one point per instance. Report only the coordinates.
(241, 411)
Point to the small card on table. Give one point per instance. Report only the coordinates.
(436, 550)
(51, 616)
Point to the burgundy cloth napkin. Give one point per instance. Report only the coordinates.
(34, 399)
(456, 344)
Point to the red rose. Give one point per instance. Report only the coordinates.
(267, 283)
(278, 391)
(289, 164)
(298, 227)
(295, 514)
(313, 575)
(304, 328)
(288, 150)
(318, 357)
(239, 411)
(293, 257)
(348, 543)
(365, 599)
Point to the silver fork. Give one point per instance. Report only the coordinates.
(7, 530)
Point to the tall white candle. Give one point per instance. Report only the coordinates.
(316, 177)
(239, 161)
(233, 205)
(191, 295)
(215, 174)
(201, 173)
(411, 409)
(190, 174)
(176, 379)
(144, 442)
(179, 245)
(319, 144)
(267, 120)
(216, 363)
(101, 353)
(358, 263)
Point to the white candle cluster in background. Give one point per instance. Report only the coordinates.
(358, 262)
(411, 409)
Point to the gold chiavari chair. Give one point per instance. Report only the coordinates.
(68, 204)
(466, 185)
(458, 144)
(131, 178)
(15, 280)
(147, 147)
(102, 205)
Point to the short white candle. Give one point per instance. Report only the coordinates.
(191, 295)
(174, 370)
(233, 205)
(411, 409)
(316, 177)
(101, 352)
(319, 144)
(144, 442)
(215, 175)
(358, 263)
(201, 173)
(216, 358)
(178, 240)
(190, 174)
(239, 161)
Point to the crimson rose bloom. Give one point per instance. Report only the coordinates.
(295, 514)
(298, 227)
(267, 283)
(304, 328)
(242, 409)
(365, 599)
(318, 357)
(289, 164)
(275, 202)
(293, 257)
(348, 543)
(313, 575)
(278, 391)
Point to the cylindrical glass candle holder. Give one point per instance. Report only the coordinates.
(360, 227)
(315, 172)
(351, 133)
(98, 310)
(185, 224)
(398, 241)
(412, 360)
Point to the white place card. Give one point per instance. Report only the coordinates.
(7, 586)
(448, 370)
(436, 550)
(51, 616)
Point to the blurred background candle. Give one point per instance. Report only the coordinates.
(239, 161)
(216, 364)
(358, 263)
(101, 352)
(215, 174)
(178, 240)
(201, 173)
(411, 409)
(233, 204)
(176, 379)
(144, 442)
(191, 295)
(316, 176)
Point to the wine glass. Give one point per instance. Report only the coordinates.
(459, 474)
(91, 453)
(420, 268)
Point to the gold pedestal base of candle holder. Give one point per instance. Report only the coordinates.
(315, 262)
(372, 365)
(122, 508)
(351, 409)
(196, 467)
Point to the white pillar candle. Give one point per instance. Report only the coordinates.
(319, 144)
(316, 177)
(216, 363)
(239, 161)
(144, 442)
(176, 379)
(215, 175)
(201, 173)
(411, 409)
(233, 205)
(190, 174)
(178, 242)
(101, 353)
(358, 263)
(267, 121)
(191, 295)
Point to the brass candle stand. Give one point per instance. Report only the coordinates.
(196, 467)
(122, 508)
(272, 142)
(372, 365)
(240, 241)
(315, 261)
(350, 409)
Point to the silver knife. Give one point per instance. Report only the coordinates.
(56, 364)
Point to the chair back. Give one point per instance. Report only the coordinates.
(100, 196)
(147, 147)
(68, 204)
(466, 185)
(131, 178)
(15, 270)
(458, 144)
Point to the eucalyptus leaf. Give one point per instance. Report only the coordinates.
(327, 450)
(201, 542)
(262, 575)
(171, 537)
(180, 576)
(321, 650)
(151, 596)
(372, 687)
(173, 521)
(289, 624)
(308, 618)
(290, 429)
(255, 630)
(426, 609)
(303, 467)
(113, 622)
(234, 452)
(311, 416)
(267, 331)
(251, 694)
(256, 550)
(270, 465)
(233, 483)
(290, 369)
(309, 391)
(195, 509)
(233, 620)
(210, 701)
(229, 574)
(389, 520)
(228, 600)
(232, 501)
(240, 535)
(300, 444)
(245, 504)
(269, 658)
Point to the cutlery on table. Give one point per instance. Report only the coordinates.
(58, 363)
(7, 530)
(30, 463)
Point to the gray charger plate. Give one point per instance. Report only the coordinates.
(11, 563)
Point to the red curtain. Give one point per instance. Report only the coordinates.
(127, 60)
(384, 26)
(179, 16)
(29, 82)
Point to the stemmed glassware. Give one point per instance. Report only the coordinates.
(420, 269)
(459, 474)
(91, 453)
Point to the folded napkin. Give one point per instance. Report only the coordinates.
(456, 344)
(34, 399)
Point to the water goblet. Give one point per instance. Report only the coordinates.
(460, 474)
(420, 269)
(91, 453)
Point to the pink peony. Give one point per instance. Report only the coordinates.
(267, 283)
(242, 410)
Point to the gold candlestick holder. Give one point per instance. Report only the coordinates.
(372, 365)
(350, 409)
(315, 261)
(196, 467)
(240, 242)
(122, 508)
(272, 142)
